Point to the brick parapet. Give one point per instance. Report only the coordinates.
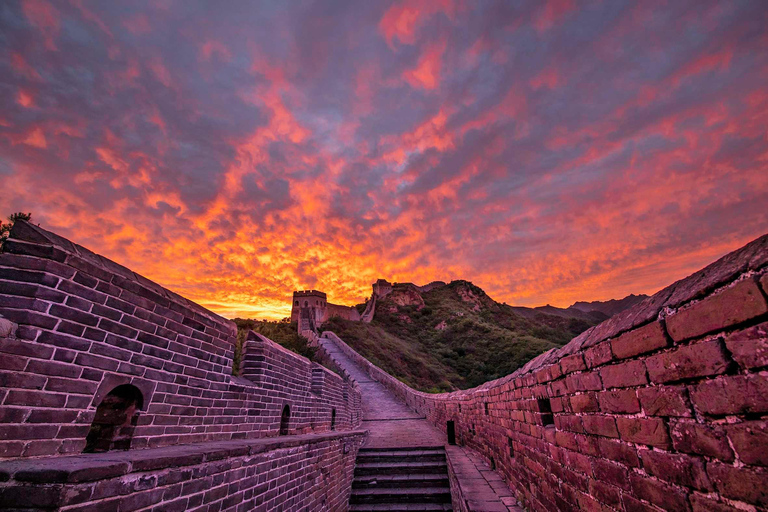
(662, 407)
(82, 325)
(303, 472)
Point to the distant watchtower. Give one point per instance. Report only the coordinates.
(309, 309)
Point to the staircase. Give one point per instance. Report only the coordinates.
(401, 479)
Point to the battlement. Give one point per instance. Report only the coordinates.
(309, 293)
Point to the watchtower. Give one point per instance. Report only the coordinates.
(309, 307)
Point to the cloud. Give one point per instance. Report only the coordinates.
(549, 152)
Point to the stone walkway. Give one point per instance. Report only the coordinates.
(392, 424)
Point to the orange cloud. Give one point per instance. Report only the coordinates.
(426, 74)
(403, 19)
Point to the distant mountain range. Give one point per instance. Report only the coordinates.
(454, 336)
(609, 307)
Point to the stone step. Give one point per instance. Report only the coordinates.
(401, 481)
(404, 449)
(405, 495)
(401, 456)
(400, 507)
(408, 468)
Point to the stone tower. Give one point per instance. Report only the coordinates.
(309, 309)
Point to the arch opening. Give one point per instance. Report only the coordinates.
(285, 418)
(115, 420)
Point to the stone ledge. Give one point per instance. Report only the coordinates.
(98, 466)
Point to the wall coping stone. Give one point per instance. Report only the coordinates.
(98, 466)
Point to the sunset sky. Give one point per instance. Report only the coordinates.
(548, 151)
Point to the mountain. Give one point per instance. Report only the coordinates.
(455, 336)
(609, 307)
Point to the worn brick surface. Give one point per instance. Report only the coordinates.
(731, 306)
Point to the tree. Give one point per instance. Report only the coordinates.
(5, 228)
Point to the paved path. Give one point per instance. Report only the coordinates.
(390, 422)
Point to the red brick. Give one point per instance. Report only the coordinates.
(611, 473)
(697, 360)
(709, 440)
(731, 306)
(737, 394)
(620, 400)
(750, 439)
(600, 425)
(589, 504)
(702, 503)
(598, 355)
(639, 341)
(659, 493)
(633, 505)
(586, 402)
(587, 381)
(749, 347)
(631, 373)
(573, 363)
(569, 422)
(605, 493)
(649, 431)
(745, 484)
(679, 469)
(619, 452)
(665, 401)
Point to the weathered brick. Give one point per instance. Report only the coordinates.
(630, 373)
(619, 401)
(585, 402)
(619, 452)
(749, 347)
(598, 355)
(659, 493)
(665, 401)
(697, 360)
(701, 503)
(614, 474)
(683, 470)
(572, 363)
(639, 341)
(76, 315)
(731, 306)
(600, 425)
(650, 431)
(750, 440)
(709, 440)
(26, 317)
(54, 368)
(746, 483)
(738, 394)
(23, 348)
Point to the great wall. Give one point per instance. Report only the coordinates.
(118, 395)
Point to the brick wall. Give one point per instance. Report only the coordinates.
(85, 325)
(661, 407)
(305, 472)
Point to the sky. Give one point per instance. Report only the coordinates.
(548, 151)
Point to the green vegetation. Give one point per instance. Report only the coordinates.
(284, 333)
(458, 338)
(5, 228)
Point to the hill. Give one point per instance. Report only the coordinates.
(610, 307)
(455, 336)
